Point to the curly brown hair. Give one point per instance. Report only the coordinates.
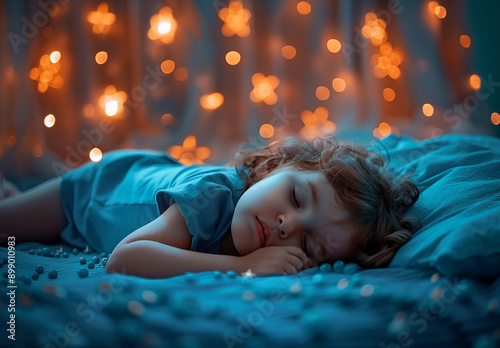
(375, 198)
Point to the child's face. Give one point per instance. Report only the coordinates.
(302, 217)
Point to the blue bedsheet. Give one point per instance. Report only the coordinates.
(390, 307)
(442, 289)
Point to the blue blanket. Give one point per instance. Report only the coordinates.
(344, 307)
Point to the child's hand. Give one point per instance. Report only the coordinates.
(276, 260)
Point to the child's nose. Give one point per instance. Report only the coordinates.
(288, 226)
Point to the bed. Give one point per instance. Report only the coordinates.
(441, 289)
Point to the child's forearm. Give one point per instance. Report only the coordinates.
(150, 259)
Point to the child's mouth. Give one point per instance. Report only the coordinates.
(259, 228)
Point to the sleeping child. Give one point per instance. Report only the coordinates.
(276, 210)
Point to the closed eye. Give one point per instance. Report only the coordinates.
(293, 197)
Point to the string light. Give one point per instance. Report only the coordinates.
(428, 109)
(189, 153)
(303, 8)
(101, 57)
(389, 94)
(338, 84)
(374, 29)
(384, 129)
(163, 26)
(112, 101)
(266, 131)
(49, 121)
(95, 154)
(101, 19)
(235, 19)
(475, 81)
(167, 66)
(495, 118)
(47, 74)
(211, 101)
(233, 57)
(465, 41)
(55, 56)
(316, 123)
(440, 12)
(322, 93)
(288, 52)
(333, 45)
(263, 89)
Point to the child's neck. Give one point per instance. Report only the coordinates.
(227, 246)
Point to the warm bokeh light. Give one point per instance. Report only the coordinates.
(374, 29)
(47, 74)
(101, 57)
(386, 62)
(428, 109)
(333, 45)
(338, 84)
(163, 26)
(303, 8)
(288, 52)
(101, 19)
(316, 123)
(167, 66)
(235, 19)
(49, 121)
(394, 72)
(263, 89)
(95, 154)
(189, 153)
(55, 56)
(432, 6)
(495, 118)
(233, 57)
(211, 101)
(440, 12)
(266, 131)
(389, 94)
(38, 150)
(167, 120)
(181, 74)
(112, 101)
(322, 93)
(465, 41)
(384, 129)
(475, 81)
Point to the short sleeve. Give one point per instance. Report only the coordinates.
(208, 207)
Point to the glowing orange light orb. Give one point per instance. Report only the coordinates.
(101, 57)
(303, 8)
(233, 57)
(266, 130)
(95, 154)
(211, 101)
(428, 109)
(495, 118)
(339, 84)
(333, 45)
(49, 121)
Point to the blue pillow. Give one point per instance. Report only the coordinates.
(459, 206)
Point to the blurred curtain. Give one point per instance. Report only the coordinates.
(395, 56)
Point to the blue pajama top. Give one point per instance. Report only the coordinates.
(105, 201)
